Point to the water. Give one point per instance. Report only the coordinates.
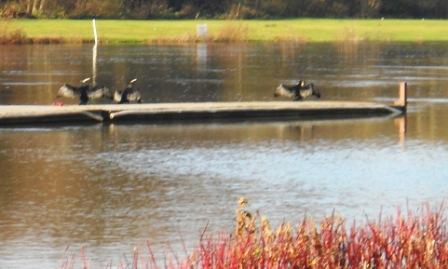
(110, 188)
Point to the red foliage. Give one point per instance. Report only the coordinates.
(403, 241)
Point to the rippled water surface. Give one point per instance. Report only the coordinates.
(111, 187)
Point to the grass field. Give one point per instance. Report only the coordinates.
(301, 30)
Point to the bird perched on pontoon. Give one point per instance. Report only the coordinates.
(297, 91)
(85, 92)
(128, 95)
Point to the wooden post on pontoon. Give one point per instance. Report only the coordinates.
(402, 101)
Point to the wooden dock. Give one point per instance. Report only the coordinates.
(214, 111)
(168, 112)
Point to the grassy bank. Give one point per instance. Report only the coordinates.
(300, 30)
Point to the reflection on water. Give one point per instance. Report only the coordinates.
(219, 72)
(112, 187)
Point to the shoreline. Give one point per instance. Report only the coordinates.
(301, 31)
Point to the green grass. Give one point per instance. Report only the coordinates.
(302, 30)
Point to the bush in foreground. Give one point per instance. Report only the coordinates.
(402, 241)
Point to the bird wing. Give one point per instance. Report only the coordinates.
(306, 92)
(134, 96)
(99, 92)
(117, 96)
(68, 91)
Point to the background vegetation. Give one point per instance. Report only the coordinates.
(143, 9)
(181, 31)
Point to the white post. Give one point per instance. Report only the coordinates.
(201, 31)
(94, 65)
(94, 32)
(94, 54)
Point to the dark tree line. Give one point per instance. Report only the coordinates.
(248, 9)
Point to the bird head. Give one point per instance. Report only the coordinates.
(85, 80)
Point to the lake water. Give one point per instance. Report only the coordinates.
(111, 187)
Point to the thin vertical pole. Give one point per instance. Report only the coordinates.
(94, 32)
(94, 54)
(94, 64)
(402, 96)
